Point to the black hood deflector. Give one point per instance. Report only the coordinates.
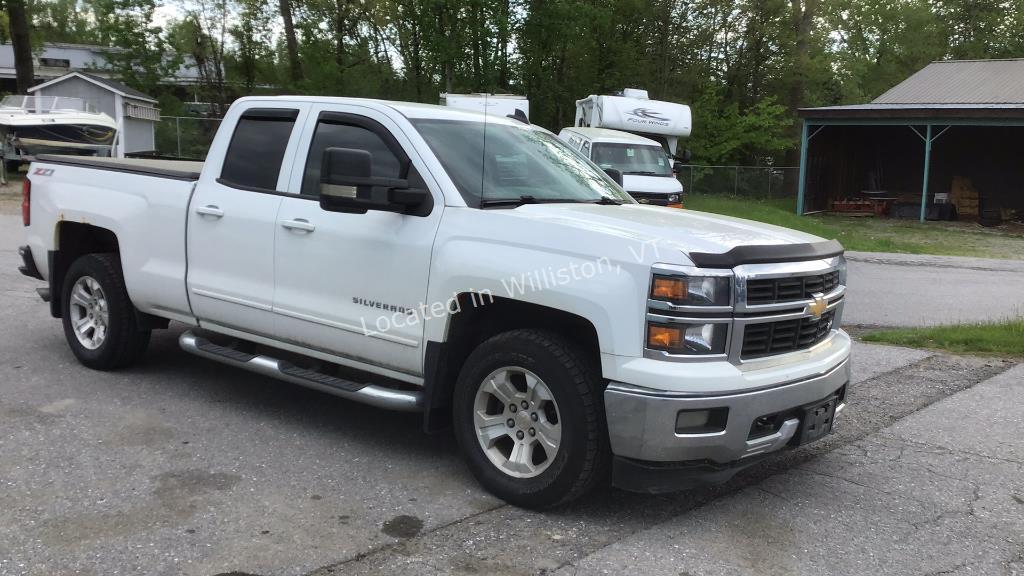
(767, 254)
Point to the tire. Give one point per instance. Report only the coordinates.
(524, 358)
(94, 295)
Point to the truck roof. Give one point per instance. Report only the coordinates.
(611, 136)
(407, 109)
(482, 95)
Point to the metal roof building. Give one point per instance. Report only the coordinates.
(949, 134)
(54, 59)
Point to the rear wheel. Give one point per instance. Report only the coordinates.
(99, 318)
(528, 419)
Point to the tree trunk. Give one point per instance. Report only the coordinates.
(417, 60)
(503, 40)
(802, 19)
(22, 45)
(294, 64)
(340, 19)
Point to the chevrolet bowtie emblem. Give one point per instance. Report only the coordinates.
(818, 307)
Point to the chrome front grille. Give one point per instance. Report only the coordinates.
(792, 288)
(770, 338)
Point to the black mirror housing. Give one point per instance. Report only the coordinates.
(614, 174)
(347, 185)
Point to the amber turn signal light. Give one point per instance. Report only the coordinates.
(666, 288)
(663, 337)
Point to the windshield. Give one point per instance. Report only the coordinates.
(33, 103)
(632, 158)
(514, 164)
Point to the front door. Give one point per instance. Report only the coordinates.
(231, 225)
(353, 285)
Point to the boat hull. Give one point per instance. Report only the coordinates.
(89, 139)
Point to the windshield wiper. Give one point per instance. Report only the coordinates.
(525, 199)
(642, 172)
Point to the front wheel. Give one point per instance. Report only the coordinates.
(529, 421)
(99, 318)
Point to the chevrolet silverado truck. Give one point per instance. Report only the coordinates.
(474, 269)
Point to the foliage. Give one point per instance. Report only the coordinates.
(744, 65)
(995, 338)
(142, 59)
(728, 136)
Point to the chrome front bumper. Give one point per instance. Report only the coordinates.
(642, 424)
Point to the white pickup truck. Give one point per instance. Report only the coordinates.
(472, 268)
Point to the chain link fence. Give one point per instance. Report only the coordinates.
(186, 137)
(755, 182)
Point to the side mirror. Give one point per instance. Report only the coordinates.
(614, 174)
(685, 156)
(678, 166)
(346, 185)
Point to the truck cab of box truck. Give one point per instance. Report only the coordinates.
(646, 168)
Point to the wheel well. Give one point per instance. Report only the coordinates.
(75, 239)
(479, 318)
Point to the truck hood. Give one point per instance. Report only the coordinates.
(655, 184)
(675, 232)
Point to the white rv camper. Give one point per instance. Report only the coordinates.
(496, 104)
(633, 111)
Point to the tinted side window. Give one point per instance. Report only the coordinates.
(336, 135)
(257, 148)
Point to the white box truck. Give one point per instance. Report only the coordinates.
(496, 104)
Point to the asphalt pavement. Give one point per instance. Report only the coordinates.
(183, 466)
(919, 290)
(939, 492)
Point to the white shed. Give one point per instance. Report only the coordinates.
(136, 113)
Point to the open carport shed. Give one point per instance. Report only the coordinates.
(955, 128)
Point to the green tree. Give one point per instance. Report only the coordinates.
(141, 57)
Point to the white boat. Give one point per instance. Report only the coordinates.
(33, 125)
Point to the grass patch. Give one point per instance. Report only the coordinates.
(996, 338)
(869, 234)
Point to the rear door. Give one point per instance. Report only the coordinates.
(233, 218)
(352, 285)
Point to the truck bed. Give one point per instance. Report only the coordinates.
(176, 169)
(142, 202)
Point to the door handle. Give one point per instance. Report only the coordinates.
(300, 224)
(210, 210)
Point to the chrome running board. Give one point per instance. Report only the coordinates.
(379, 396)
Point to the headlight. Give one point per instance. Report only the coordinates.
(842, 270)
(691, 290)
(673, 198)
(693, 339)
